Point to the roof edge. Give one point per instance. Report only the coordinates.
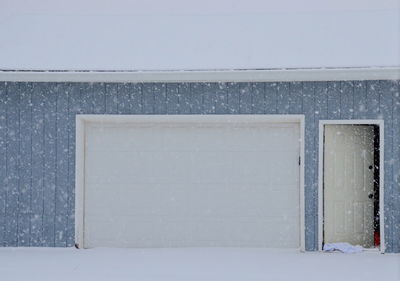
(239, 75)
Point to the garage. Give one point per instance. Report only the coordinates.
(189, 181)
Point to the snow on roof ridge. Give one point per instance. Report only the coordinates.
(204, 70)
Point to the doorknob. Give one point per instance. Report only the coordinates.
(370, 195)
(370, 167)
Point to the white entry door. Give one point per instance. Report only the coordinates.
(192, 184)
(349, 184)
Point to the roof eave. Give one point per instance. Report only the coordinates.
(235, 75)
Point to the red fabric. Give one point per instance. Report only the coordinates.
(377, 238)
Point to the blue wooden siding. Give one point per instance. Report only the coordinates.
(37, 140)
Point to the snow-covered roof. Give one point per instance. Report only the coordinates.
(185, 35)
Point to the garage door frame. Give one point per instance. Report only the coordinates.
(83, 119)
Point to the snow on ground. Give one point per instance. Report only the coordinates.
(193, 264)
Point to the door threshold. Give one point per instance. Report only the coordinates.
(372, 250)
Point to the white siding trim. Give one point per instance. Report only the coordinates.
(82, 120)
(79, 182)
(381, 185)
(302, 190)
(322, 124)
(267, 75)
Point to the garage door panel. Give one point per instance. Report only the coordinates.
(201, 166)
(154, 200)
(224, 137)
(269, 232)
(225, 185)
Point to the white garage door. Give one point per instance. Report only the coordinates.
(191, 185)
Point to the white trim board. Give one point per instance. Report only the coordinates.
(171, 120)
(322, 124)
(267, 75)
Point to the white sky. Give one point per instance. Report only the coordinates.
(203, 34)
(192, 6)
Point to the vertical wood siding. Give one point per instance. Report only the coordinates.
(37, 140)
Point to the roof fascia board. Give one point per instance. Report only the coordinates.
(272, 75)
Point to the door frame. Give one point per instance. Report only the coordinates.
(83, 119)
(380, 124)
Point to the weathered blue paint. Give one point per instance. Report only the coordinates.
(37, 140)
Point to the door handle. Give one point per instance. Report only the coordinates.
(370, 195)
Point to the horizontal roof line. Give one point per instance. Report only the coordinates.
(236, 75)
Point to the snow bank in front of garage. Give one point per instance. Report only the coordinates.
(193, 264)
